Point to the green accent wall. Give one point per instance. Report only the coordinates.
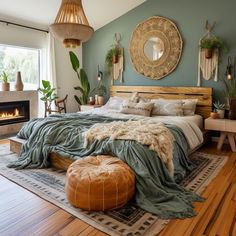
(190, 17)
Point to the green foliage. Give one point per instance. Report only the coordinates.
(4, 77)
(48, 92)
(230, 88)
(14, 59)
(84, 87)
(213, 43)
(218, 105)
(114, 51)
(101, 90)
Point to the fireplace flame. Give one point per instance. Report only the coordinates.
(5, 115)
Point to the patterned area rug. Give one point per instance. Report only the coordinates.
(129, 220)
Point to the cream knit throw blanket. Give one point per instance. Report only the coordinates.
(153, 134)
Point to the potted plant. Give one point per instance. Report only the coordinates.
(112, 57)
(210, 44)
(48, 97)
(230, 92)
(5, 81)
(220, 109)
(214, 114)
(84, 87)
(101, 93)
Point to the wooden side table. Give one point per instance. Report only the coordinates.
(227, 129)
(88, 107)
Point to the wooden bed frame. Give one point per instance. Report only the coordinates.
(204, 107)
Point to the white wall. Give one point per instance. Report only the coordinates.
(66, 78)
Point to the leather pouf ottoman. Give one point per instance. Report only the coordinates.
(99, 183)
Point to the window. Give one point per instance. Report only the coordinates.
(25, 60)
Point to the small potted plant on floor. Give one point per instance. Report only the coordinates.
(48, 97)
(220, 109)
(210, 44)
(5, 81)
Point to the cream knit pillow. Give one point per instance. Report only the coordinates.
(141, 108)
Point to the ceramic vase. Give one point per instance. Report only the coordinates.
(19, 86)
(221, 113)
(214, 115)
(100, 100)
(5, 86)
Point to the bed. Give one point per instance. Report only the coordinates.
(194, 126)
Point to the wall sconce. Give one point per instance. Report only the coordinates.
(229, 69)
(100, 74)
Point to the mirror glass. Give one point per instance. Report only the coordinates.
(154, 48)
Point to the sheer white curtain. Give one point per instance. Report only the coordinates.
(47, 66)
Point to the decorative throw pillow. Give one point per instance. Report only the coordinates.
(166, 107)
(114, 103)
(141, 108)
(189, 106)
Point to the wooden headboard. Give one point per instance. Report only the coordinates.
(204, 95)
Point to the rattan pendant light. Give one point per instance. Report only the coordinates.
(71, 25)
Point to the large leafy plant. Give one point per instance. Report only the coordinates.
(84, 87)
(230, 88)
(48, 92)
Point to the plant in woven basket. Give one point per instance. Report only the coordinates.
(4, 77)
(112, 57)
(210, 44)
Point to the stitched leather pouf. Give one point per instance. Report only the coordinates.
(99, 183)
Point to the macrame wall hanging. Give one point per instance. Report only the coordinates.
(208, 60)
(115, 60)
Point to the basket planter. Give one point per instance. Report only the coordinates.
(5, 86)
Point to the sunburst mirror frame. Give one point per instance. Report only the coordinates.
(165, 30)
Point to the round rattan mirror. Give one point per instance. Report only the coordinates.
(156, 47)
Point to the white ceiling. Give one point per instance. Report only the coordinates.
(41, 13)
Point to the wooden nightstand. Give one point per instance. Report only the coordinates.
(227, 129)
(88, 107)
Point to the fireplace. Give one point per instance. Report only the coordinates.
(14, 112)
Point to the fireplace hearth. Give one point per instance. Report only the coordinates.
(14, 112)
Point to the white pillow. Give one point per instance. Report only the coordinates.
(189, 106)
(141, 108)
(114, 103)
(166, 107)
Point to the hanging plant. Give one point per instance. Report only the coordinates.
(210, 44)
(112, 57)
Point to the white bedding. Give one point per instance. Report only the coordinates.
(190, 125)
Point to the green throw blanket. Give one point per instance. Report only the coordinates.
(156, 190)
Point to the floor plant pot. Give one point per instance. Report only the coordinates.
(232, 108)
(5, 86)
(208, 53)
(221, 113)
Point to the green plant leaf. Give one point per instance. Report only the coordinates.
(77, 100)
(45, 83)
(84, 81)
(74, 61)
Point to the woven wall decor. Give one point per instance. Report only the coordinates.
(165, 31)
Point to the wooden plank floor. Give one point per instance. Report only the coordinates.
(23, 213)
